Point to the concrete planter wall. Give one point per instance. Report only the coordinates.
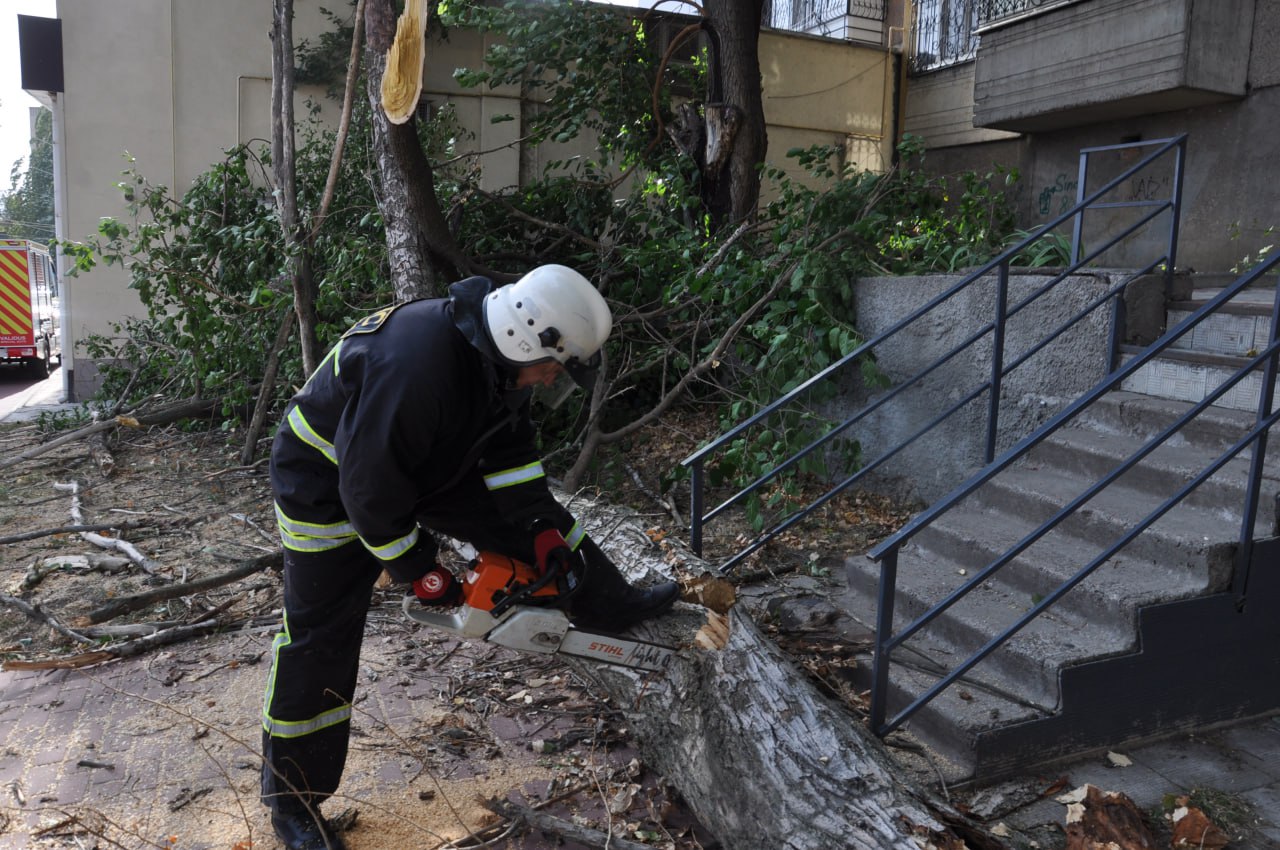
(1032, 393)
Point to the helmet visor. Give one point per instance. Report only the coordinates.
(553, 395)
(584, 372)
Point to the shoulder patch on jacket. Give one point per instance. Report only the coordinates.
(370, 323)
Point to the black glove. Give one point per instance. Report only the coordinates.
(550, 550)
(438, 588)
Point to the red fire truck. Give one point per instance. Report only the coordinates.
(30, 332)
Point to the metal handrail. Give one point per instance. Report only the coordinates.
(1001, 264)
(886, 552)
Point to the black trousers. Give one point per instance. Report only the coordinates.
(315, 659)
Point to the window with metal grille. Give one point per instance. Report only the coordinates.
(944, 33)
(814, 15)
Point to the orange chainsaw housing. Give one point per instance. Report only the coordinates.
(492, 576)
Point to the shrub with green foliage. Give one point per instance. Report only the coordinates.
(207, 267)
(208, 270)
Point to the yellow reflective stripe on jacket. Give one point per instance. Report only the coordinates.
(511, 477)
(312, 536)
(304, 432)
(303, 543)
(575, 536)
(294, 728)
(394, 549)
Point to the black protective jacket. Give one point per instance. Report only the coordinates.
(409, 401)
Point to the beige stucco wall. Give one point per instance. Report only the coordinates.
(176, 82)
(172, 83)
(821, 91)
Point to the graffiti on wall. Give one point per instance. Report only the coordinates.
(1060, 195)
(1063, 189)
(1149, 188)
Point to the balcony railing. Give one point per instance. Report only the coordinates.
(817, 15)
(944, 33)
(993, 11)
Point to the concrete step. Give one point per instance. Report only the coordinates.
(1145, 416)
(1024, 669)
(1186, 554)
(1096, 452)
(1240, 328)
(1215, 349)
(1190, 376)
(1096, 618)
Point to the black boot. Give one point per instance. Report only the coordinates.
(605, 600)
(299, 828)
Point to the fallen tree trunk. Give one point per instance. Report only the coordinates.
(759, 754)
(765, 760)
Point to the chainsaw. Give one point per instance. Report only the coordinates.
(505, 602)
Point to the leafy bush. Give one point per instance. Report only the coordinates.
(208, 266)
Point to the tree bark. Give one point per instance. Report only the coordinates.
(423, 254)
(763, 759)
(283, 164)
(734, 112)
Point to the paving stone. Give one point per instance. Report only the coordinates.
(1258, 745)
(1194, 763)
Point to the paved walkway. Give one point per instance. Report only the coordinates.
(161, 752)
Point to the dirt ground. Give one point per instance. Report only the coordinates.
(101, 521)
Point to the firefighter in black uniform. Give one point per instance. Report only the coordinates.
(418, 422)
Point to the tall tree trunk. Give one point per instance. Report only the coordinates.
(734, 112)
(424, 255)
(283, 164)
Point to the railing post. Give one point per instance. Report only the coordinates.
(1175, 218)
(1077, 221)
(884, 630)
(695, 508)
(997, 359)
(1253, 488)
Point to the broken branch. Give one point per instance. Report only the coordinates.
(164, 416)
(126, 604)
(563, 828)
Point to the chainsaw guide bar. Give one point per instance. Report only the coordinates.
(544, 631)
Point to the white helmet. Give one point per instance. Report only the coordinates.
(552, 313)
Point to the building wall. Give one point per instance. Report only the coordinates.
(161, 86)
(1229, 200)
(165, 86)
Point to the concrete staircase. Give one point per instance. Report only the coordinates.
(1081, 675)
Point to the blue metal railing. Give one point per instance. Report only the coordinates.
(886, 553)
(996, 328)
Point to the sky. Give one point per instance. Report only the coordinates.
(15, 120)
